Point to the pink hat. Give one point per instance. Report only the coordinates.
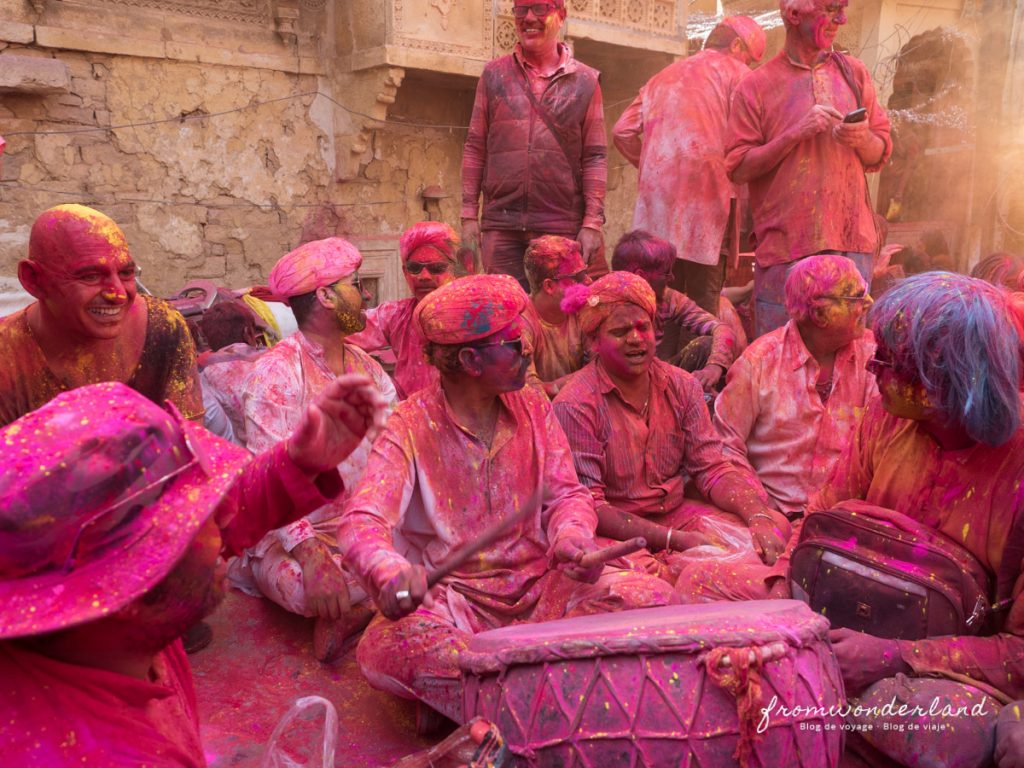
(313, 265)
(595, 303)
(750, 32)
(435, 234)
(469, 308)
(101, 493)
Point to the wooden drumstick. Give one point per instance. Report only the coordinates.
(602, 556)
(463, 553)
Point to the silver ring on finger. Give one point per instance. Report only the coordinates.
(402, 594)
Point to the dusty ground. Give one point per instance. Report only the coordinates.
(260, 661)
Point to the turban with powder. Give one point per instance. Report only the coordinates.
(434, 234)
(594, 303)
(311, 266)
(469, 308)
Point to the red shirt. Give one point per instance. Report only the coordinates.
(816, 198)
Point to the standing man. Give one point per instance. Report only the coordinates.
(674, 133)
(798, 138)
(536, 149)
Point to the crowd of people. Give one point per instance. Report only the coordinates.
(541, 407)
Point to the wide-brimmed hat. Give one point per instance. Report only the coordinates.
(101, 493)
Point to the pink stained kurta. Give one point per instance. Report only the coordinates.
(55, 713)
(282, 385)
(390, 325)
(816, 198)
(674, 132)
(973, 496)
(773, 422)
(677, 313)
(224, 382)
(558, 350)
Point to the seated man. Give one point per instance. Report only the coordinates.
(428, 251)
(792, 400)
(553, 263)
(455, 459)
(298, 567)
(678, 318)
(232, 334)
(639, 427)
(113, 513)
(87, 325)
(944, 446)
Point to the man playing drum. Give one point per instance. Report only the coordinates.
(470, 451)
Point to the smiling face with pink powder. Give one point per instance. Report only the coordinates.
(85, 276)
(820, 25)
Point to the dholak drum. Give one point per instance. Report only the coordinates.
(751, 684)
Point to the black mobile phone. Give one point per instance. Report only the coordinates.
(857, 116)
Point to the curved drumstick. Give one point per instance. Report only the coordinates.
(602, 556)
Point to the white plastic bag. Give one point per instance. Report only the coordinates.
(277, 753)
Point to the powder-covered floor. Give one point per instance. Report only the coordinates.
(259, 662)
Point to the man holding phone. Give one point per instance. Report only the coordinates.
(803, 131)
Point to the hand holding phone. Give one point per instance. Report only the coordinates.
(856, 116)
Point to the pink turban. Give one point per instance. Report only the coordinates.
(594, 303)
(750, 32)
(469, 308)
(313, 265)
(435, 234)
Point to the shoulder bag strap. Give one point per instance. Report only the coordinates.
(545, 116)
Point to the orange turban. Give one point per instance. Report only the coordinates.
(594, 303)
(469, 308)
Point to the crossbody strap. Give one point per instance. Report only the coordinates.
(548, 120)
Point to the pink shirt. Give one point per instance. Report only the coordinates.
(773, 422)
(816, 198)
(390, 325)
(674, 132)
(639, 462)
(281, 386)
(223, 381)
(972, 496)
(430, 487)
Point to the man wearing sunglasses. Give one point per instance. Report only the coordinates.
(89, 324)
(113, 513)
(298, 567)
(454, 460)
(553, 264)
(674, 133)
(428, 253)
(536, 149)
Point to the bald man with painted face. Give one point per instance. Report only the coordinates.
(88, 323)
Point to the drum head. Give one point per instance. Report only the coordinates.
(683, 628)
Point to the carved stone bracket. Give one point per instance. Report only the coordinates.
(286, 19)
(369, 92)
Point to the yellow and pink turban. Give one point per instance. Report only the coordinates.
(594, 303)
(313, 265)
(434, 234)
(469, 308)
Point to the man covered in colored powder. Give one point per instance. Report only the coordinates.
(674, 133)
(552, 264)
(793, 399)
(473, 450)
(536, 148)
(638, 428)
(88, 323)
(298, 567)
(678, 317)
(113, 513)
(428, 252)
(797, 137)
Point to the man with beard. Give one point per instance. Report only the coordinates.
(803, 130)
(112, 515)
(88, 324)
(298, 566)
(536, 149)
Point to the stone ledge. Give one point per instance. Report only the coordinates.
(32, 74)
(14, 32)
